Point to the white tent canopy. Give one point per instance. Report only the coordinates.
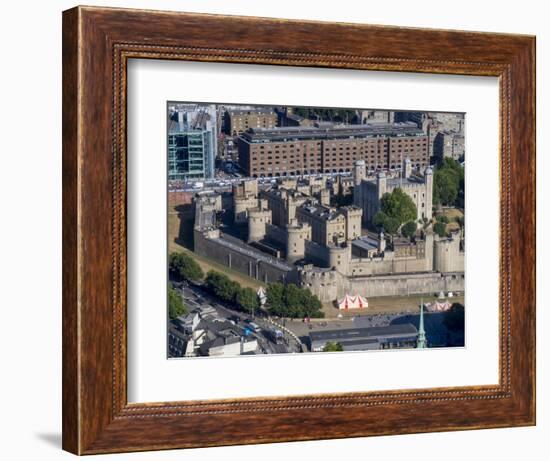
(353, 302)
(262, 296)
(438, 306)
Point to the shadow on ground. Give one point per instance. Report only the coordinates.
(437, 333)
(50, 438)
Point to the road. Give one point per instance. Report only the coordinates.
(225, 183)
(197, 298)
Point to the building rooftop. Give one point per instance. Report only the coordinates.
(190, 120)
(241, 247)
(353, 334)
(320, 211)
(258, 110)
(366, 243)
(280, 191)
(176, 127)
(411, 180)
(297, 118)
(220, 327)
(174, 330)
(259, 135)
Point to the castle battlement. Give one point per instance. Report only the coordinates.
(323, 247)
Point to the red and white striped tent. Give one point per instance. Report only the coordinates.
(353, 302)
(438, 306)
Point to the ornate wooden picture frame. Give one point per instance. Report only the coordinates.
(97, 44)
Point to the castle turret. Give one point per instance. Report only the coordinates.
(324, 197)
(447, 254)
(297, 234)
(353, 221)
(257, 220)
(381, 242)
(407, 168)
(359, 172)
(246, 188)
(241, 205)
(429, 180)
(245, 195)
(381, 184)
(339, 257)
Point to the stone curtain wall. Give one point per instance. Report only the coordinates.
(248, 264)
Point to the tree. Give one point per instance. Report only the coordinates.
(398, 205)
(389, 224)
(442, 218)
(247, 299)
(408, 229)
(274, 296)
(222, 286)
(312, 305)
(319, 113)
(396, 208)
(175, 303)
(440, 229)
(448, 182)
(292, 301)
(332, 347)
(454, 318)
(185, 267)
(293, 296)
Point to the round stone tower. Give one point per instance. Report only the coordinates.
(257, 220)
(296, 237)
(446, 254)
(339, 258)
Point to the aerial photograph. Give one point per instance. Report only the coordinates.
(313, 230)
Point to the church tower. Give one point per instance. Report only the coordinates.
(421, 342)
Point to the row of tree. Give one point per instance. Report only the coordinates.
(328, 114)
(176, 307)
(282, 300)
(230, 291)
(292, 301)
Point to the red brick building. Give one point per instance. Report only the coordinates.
(309, 150)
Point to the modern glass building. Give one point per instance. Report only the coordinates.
(191, 149)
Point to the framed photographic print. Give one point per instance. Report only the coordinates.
(270, 234)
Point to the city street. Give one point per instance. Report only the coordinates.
(198, 299)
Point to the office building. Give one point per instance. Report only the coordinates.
(330, 148)
(192, 142)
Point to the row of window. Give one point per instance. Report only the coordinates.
(358, 154)
(347, 144)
